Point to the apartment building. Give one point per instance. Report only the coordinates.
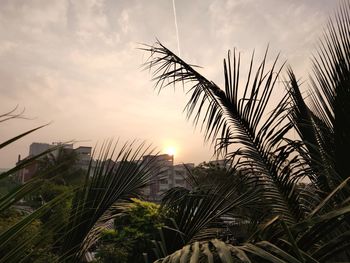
(168, 176)
(29, 170)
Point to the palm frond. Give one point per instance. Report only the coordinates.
(209, 251)
(108, 185)
(231, 121)
(17, 254)
(311, 148)
(199, 213)
(330, 85)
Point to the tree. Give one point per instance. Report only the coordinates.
(63, 166)
(7, 184)
(34, 253)
(11, 217)
(109, 186)
(298, 226)
(92, 204)
(134, 230)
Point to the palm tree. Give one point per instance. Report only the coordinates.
(19, 192)
(106, 187)
(299, 225)
(64, 162)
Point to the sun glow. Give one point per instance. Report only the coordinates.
(170, 150)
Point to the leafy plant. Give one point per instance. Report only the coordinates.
(298, 225)
(134, 229)
(106, 184)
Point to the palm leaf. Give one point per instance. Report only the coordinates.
(108, 185)
(308, 127)
(198, 213)
(331, 92)
(209, 251)
(230, 121)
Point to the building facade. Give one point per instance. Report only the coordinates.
(30, 169)
(168, 176)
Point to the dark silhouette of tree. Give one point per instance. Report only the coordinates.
(62, 164)
(251, 128)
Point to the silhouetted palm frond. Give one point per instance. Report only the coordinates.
(331, 90)
(307, 223)
(109, 184)
(239, 124)
(323, 121)
(200, 213)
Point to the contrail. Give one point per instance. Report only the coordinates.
(177, 30)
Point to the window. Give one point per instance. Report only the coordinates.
(164, 181)
(181, 182)
(179, 172)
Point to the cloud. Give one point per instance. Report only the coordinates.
(77, 63)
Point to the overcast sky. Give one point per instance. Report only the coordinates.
(76, 63)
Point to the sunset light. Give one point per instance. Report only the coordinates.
(170, 150)
(173, 131)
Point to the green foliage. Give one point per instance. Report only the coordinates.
(25, 241)
(90, 205)
(42, 255)
(207, 251)
(111, 253)
(142, 215)
(243, 220)
(294, 223)
(9, 218)
(7, 184)
(108, 185)
(213, 174)
(210, 174)
(62, 165)
(61, 212)
(134, 230)
(50, 190)
(298, 224)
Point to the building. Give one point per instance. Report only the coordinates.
(181, 173)
(168, 176)
(84, 156)
(223, 163)
(37, 148)
(29, 170)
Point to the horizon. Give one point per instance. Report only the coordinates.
(173, 155)
(76, 64)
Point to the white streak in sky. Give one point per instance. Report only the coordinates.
(177, 30)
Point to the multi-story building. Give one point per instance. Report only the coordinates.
(37, 148)
(181, 173)
(168, 176)
(84, 156)
(29, 170)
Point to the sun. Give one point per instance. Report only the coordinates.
(170, 150)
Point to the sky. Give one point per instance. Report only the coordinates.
(77, 64)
